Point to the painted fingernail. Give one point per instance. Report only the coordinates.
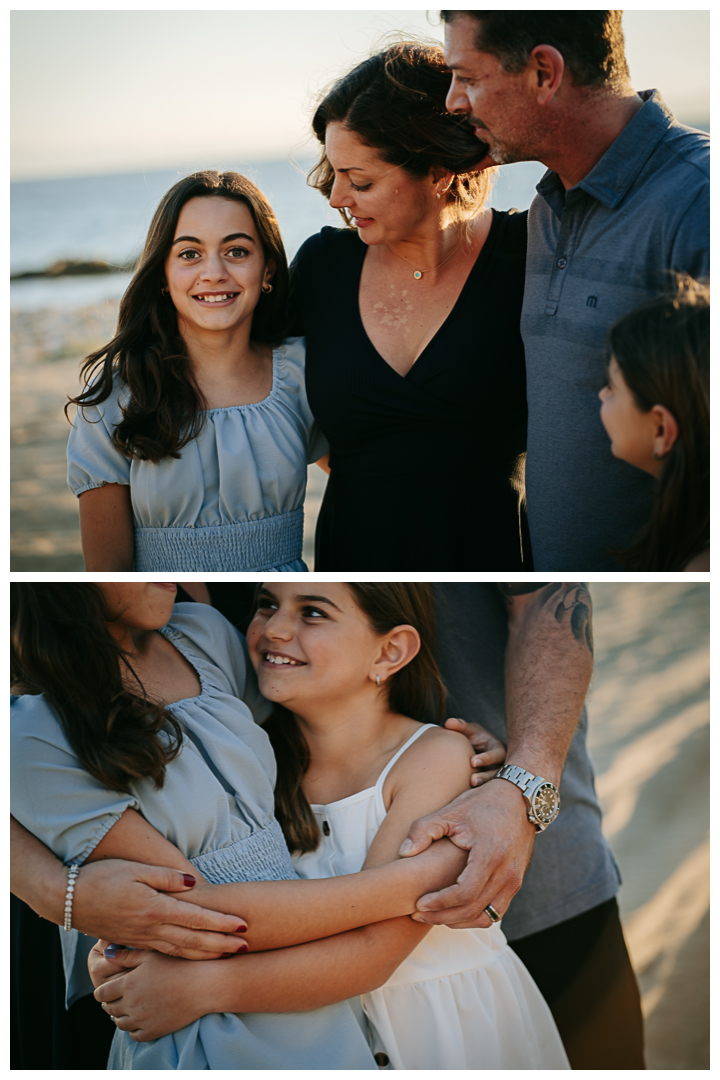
(241, 929)
(243, 948)
(227, 955)
(110, 952)
(189, 880)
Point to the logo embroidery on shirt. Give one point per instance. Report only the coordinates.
(591, 301)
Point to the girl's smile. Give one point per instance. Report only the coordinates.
(216, 266)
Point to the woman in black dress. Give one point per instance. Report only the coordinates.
(415, 365)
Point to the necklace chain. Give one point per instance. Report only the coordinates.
(417, 274)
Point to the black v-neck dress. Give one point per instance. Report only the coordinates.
(422, 464)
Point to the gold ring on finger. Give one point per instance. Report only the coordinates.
(492, 914)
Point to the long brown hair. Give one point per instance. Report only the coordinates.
(395, 102)
(663, 351)
(164, 413)
(416, 691)
(60, 646)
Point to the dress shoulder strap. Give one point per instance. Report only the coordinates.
(405, 746)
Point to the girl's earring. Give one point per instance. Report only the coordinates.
(267, 287)
(165, 291)
(377, 680)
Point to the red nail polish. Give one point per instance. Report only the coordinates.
(189, 880)
(243, 948)
(226, 955)
(241, 930)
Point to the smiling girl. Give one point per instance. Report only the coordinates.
(190, 446)
(347, 671)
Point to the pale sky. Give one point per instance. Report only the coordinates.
(110, 91)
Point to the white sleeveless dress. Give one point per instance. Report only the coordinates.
(462, 999)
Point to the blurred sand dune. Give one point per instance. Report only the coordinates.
(649, 737)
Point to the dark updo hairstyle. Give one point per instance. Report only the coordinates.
(663, 351)
(60, 646)
(164, 412)
(395, 103)
(416, 691)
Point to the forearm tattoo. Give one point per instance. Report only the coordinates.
(570, 602)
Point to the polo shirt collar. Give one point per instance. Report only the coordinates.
(618, 168)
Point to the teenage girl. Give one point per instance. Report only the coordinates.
(656, 410)
(190, 446)
(346, 668)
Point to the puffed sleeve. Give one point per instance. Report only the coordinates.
(51, 794)
(54, 798)
(92, 459)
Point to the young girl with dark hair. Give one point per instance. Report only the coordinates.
(190, 446)
(129, 739)
(656, 410)
(348, 667)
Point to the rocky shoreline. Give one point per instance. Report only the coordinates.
(74, 268)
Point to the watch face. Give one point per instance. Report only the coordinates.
(546, 803)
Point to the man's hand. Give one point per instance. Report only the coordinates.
(126, 902)
(490, 751)
(491, 824)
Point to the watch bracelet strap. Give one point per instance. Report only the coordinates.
(516, 775)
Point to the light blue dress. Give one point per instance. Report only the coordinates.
(234, 499)
(216, 806)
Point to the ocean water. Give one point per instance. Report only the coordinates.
(106, 217)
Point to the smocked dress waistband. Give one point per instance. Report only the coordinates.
(271, 543)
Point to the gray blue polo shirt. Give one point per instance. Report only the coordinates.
(595, 252)
(572, 869)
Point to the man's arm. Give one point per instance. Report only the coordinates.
(548, 665)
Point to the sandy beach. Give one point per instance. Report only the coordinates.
(47, 348)
(649, 738)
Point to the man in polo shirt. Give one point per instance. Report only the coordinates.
(625, 202)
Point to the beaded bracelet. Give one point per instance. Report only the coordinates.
(73, 872)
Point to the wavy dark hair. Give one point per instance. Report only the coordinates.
(591, 42)
(416, 691)
(164, 412)
(663, 351)
(395, 103)
(60, 646)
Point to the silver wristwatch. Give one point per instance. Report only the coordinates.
(541, 796)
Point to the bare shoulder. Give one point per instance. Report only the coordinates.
(438, 752)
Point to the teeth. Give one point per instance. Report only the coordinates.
(280, 660)
(215, 299)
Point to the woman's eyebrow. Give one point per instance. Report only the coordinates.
(316, 600)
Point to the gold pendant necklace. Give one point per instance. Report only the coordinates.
(417, 274)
